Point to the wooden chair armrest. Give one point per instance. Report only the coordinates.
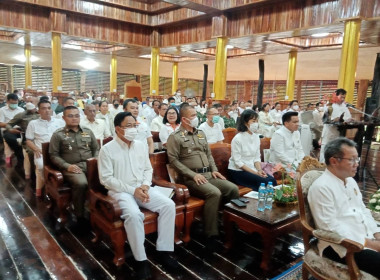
(181, 192)
(105, 205)
(57, 175)
(335, 238)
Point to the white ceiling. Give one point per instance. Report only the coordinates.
(315, 65)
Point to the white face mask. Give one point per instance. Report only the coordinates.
(296, 107)
(55, 101)
(254, 127)
(130, 133)
(98, 98)
(194, 122)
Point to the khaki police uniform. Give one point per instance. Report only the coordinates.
(189, 154)
(68, 147)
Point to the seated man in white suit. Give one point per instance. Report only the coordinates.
(285, 145)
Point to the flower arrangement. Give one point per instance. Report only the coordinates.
(374, 202)
(286, 194)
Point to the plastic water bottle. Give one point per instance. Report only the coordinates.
(261, 197)
(269, 197)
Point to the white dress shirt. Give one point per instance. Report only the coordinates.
(330, 131)
(221, 123)
(338, 206)
(266, 129)
(40, 131)
(233, 114)
(276, 116)
(6, 114)
(143, 131)
(98, 127)
(285, 147)
(108, 119)
(245, 150)
(157, 123)
(123, 168)
(114, 111)
(165, 132)
(213, 134)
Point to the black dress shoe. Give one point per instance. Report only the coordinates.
(168, 261)
(143, 270)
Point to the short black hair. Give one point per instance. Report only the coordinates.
(119, 118)
(317, 104)
(288, 116)
(264, 105)
(156, 101)
(130, 100)
(177, 121)
(96, 102)
(42, 101)
(334, 148)
(309, 105)
(101, 102)
(12, 96)
(292, 102)
(69, 108)
(171, 98)
(183, 104)
(44, 97)
(67, 98)
(184, 109)
(340, 91)
(162, 104)
(217, 105)
(244, 118)
(113, 102)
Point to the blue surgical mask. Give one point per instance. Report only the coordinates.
(172, 104)
(13, 106)
(215, 119)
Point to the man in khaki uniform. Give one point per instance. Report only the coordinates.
(69, 149)
(190, 155)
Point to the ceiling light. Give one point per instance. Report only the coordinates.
(320, 35)
(74, 47)
(230, 47)
(145, 56)
(89, 51)
(88, 64)
(21, 58)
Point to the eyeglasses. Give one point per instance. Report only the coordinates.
(73, 116)
(130, 126)
(351, 160)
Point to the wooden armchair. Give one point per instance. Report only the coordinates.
(321, 267)
(221, 154)
(105, 213)
(264, 145)
(229, 133)
(58, 193)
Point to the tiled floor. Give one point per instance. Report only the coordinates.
(31, 248)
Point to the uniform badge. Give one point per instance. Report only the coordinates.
(200, 136)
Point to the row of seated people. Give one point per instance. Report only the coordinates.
(188, 152)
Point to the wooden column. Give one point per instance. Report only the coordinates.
(220, 68)
(154, 71)
(362, 93)
(291, 75)
(175, 77)
(349, 57)
(113, 73)
(260, 87)
(56, 61)
(28, 66)
(299, 91)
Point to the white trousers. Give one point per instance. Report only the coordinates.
(39, 163)
(134, 221)
(329, 133)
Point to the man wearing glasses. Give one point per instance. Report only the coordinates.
(125, 170)
(69, 149)
(336, 205)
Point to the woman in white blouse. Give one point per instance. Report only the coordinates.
(105, 115)
(276, 115)
(266, 122)
(172, 122)
(244, 167)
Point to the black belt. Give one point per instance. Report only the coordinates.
(202, 170)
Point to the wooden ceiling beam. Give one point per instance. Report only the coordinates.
(194, 5)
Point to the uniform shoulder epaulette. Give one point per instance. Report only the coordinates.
(60, 129)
